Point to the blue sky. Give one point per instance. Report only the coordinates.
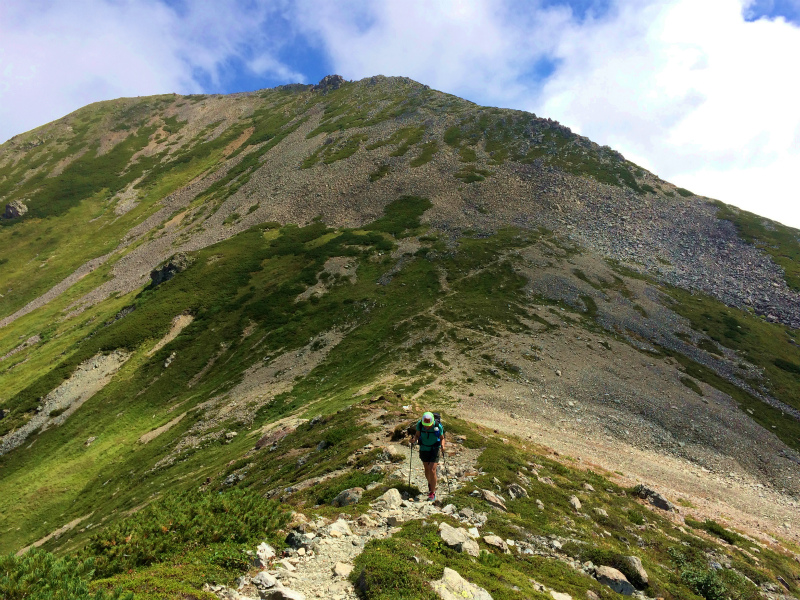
(699, 91)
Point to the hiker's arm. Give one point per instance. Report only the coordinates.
(442, 442)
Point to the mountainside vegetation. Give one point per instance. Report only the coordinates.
(203, 299)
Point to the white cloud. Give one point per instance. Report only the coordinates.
(56, 57)
(687, 89)
(480, 49)
(692, 91)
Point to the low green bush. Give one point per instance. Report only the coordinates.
(325, 493)
(180, 521)
(39, 575)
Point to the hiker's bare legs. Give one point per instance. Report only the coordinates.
(430, 475)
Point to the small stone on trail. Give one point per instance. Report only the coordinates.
(282, 593)
(286, 565)
(341, 527)
(341, 569)
(391, 498)
(454, 587)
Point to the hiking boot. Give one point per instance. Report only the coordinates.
(432, 496)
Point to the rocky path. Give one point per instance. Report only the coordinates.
(321, 553)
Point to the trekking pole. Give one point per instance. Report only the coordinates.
(410, 457)
(446, 472)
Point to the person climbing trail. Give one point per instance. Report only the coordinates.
(430, 437)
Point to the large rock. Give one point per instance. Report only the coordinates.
(392, 499)
(636, 564)
(348, 497)
(615, 580)
(497, 542)
(653, 497)
(329, 83)
(515, 490)
(15, 209)
(575, 502)
(264, 553)
(177, 264)
(458, 539)
(493, 499)
(264, 580)
(454, 587)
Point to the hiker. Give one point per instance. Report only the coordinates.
(430, 437)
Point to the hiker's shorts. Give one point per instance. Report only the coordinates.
(429, 456)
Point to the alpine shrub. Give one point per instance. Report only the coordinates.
(39, 575)
(181, 521)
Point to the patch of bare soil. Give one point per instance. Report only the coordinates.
(179, 323)
(55, 534)
(89, 378)
(259, 386)
(337, 267)
(151, 435)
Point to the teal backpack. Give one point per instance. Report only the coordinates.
(430, 439)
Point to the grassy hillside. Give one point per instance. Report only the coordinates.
(331, 246)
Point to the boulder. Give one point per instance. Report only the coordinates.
(515, 490)
(264, 580)
(177, 264)
(264, 553)
(615, 580)
(454, 587)
(15, 209)
(458, 539)
(392, 498)
(494, 499)
(636, 564)
(348, 497)
(600, 512)
(295, 539)
(328, 83)
(653, 497)
(559, 595)
(575, 502)
(497, 542)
